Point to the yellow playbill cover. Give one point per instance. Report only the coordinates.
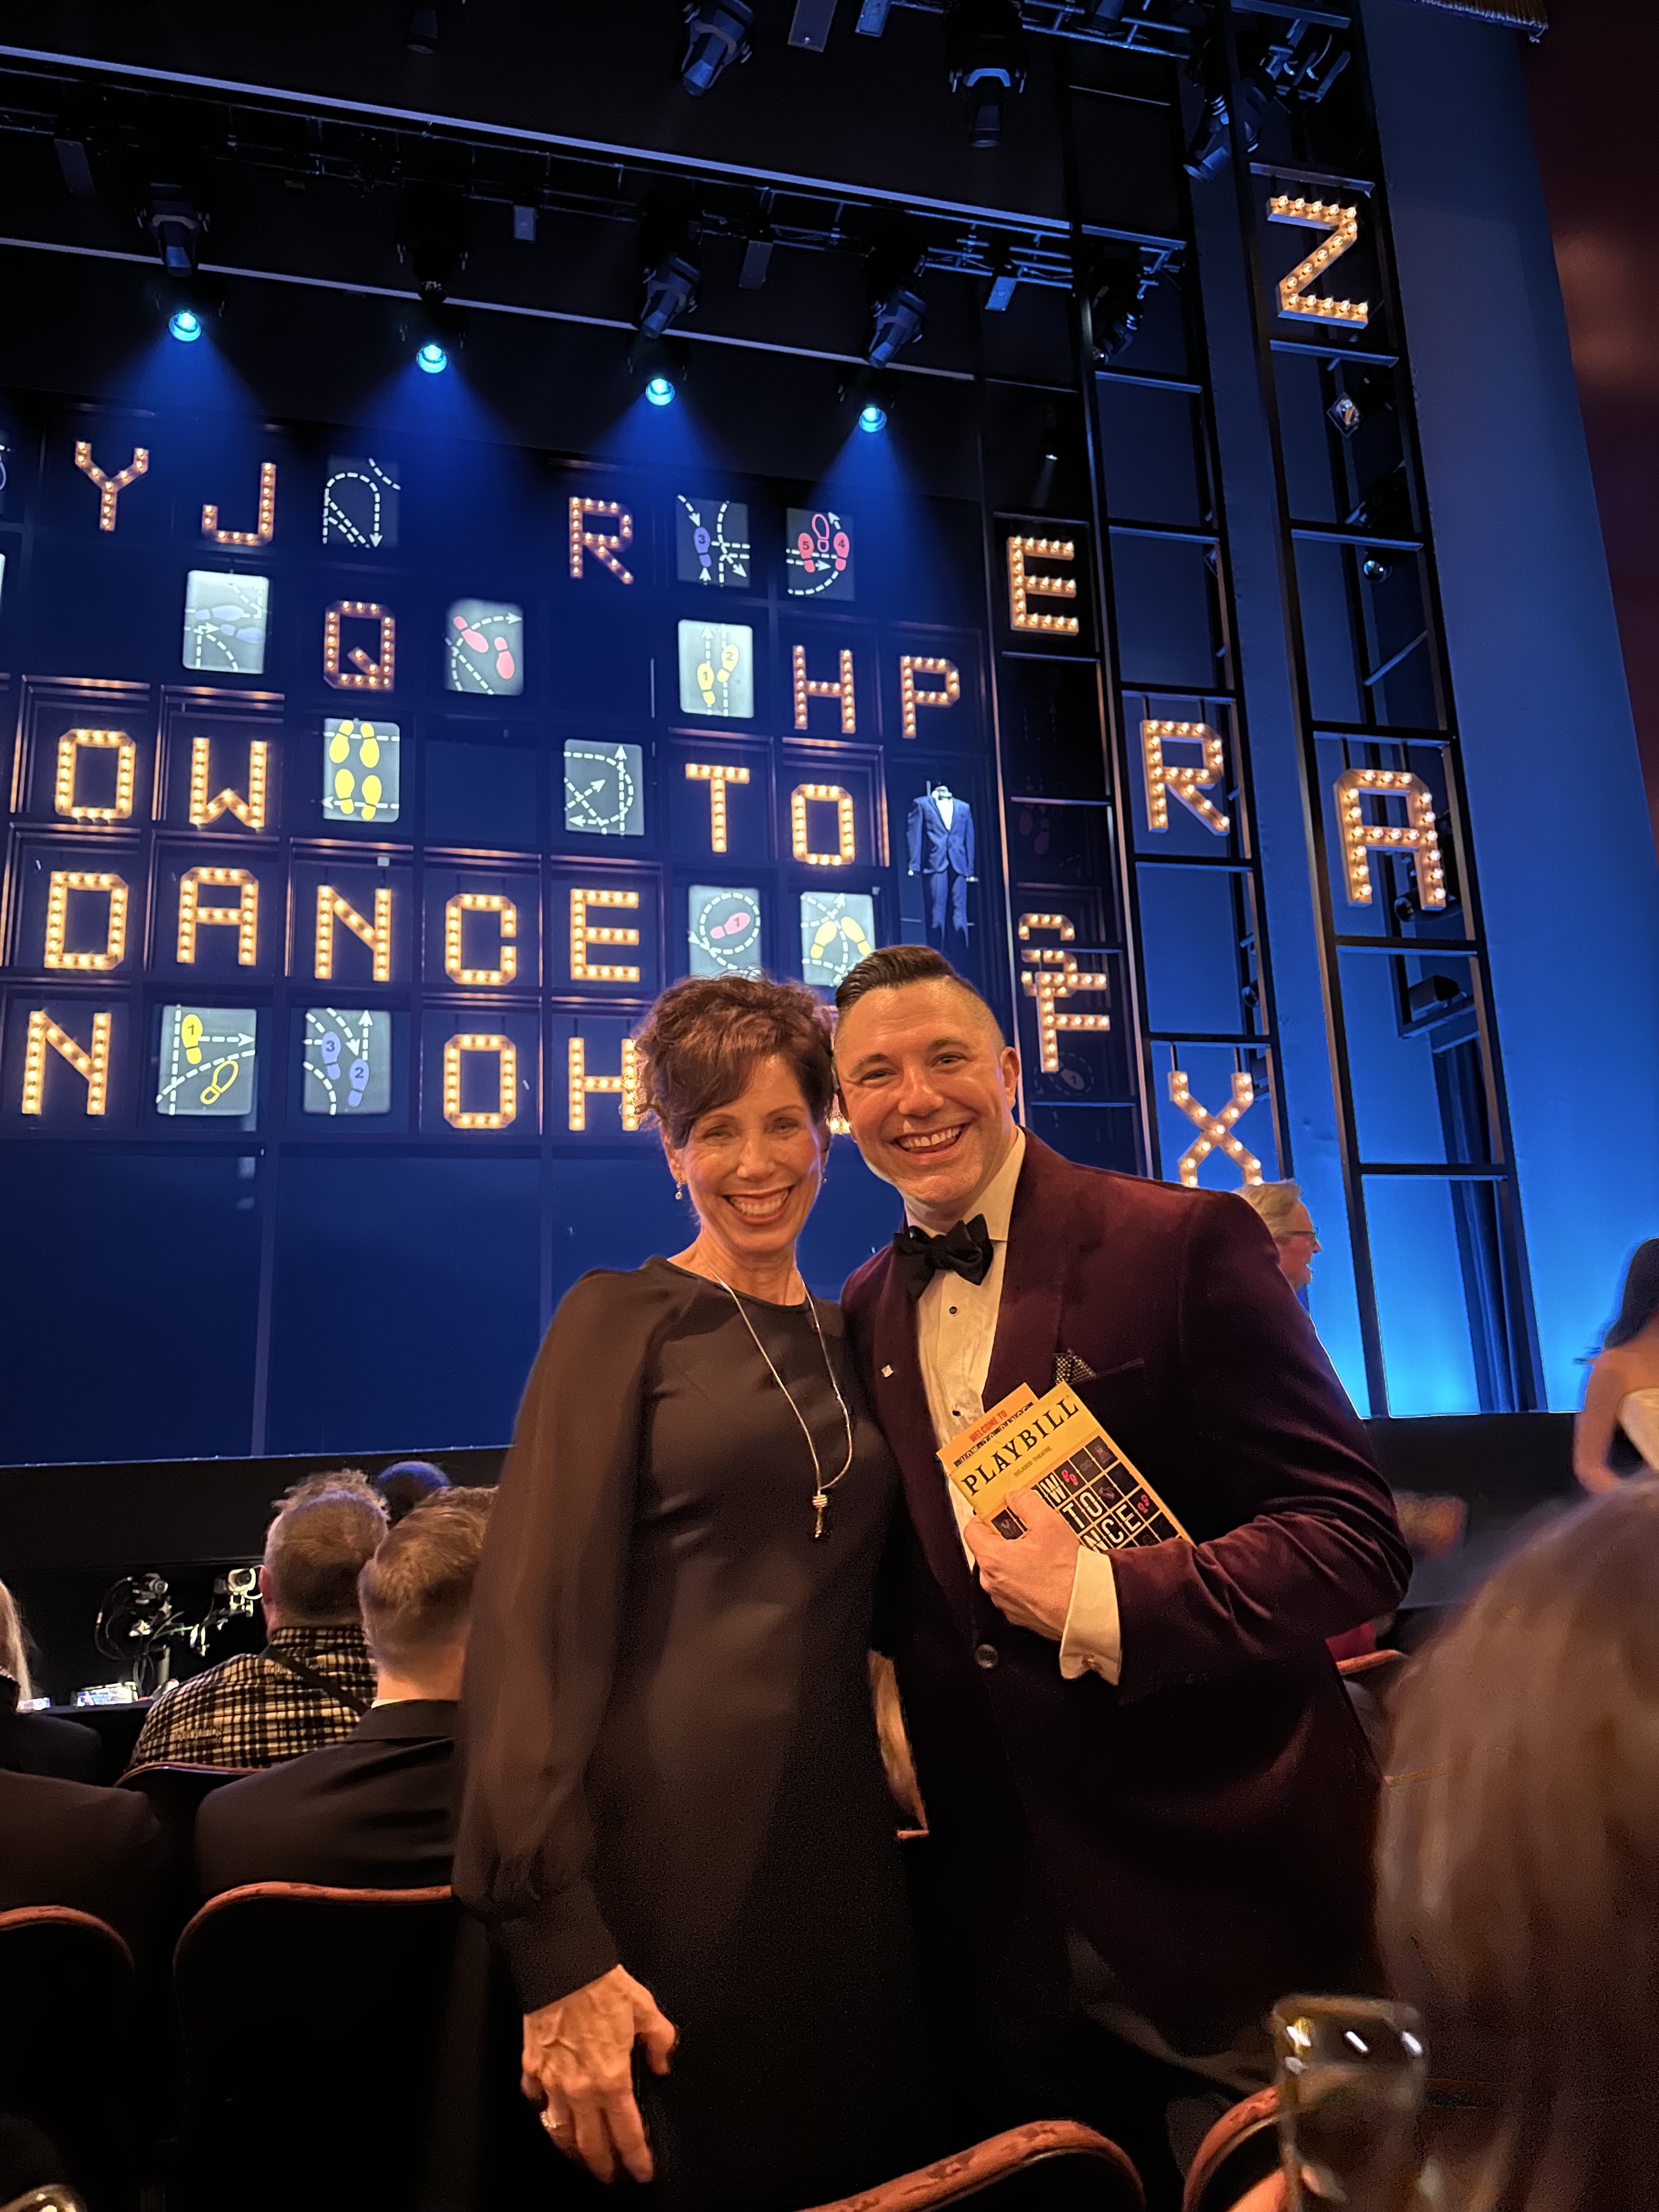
(1055, 1446)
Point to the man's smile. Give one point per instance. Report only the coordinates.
(922, 1142)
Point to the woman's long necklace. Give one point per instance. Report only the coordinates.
(821, 1488)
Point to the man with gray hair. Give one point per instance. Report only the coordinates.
(312, 1682)
(378, 1810)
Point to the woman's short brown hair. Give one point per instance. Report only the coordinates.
(705, 1036)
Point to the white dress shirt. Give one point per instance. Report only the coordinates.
(956, 1329)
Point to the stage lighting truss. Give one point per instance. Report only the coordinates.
(1161, 27)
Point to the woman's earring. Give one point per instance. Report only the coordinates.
(680, 1188)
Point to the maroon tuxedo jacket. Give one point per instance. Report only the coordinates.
(1205, 1822)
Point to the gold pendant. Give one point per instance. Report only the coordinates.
(820, 1503)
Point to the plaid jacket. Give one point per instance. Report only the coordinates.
(249, 1711)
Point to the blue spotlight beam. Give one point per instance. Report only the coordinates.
(432, 358)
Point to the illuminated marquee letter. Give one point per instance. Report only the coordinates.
(1420, 841)
(1342, 225)
(91, 1065)
(71, 746)
(251, 809)
(507, 1075)
(604, 544)
(115, 925)
(375, 675)
(243, 917)
(1188, 783)
(583, 932)
(716, 778)
(1050, 976)
(800, 843)
(110, 488)
(262, 534)
(625, 1084)
(1214, 1129)
(1023, 587)
(911, 693)
(377, 935)
(809, 687)
(506, 922)
(1057, 922)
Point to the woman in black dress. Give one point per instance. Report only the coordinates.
(675, 1817)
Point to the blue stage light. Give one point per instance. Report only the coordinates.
(432, 358)
(660, 392)
(185, 325)
(873, 418)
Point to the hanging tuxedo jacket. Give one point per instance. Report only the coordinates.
(936, 848)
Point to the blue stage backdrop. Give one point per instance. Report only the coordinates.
(387, 778)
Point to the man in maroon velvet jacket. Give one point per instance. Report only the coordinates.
(1179, 1796)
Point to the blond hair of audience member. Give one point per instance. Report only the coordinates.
(1518, 1865)
(416, 1596)
(314, 1550)
(14, 1646)
(1290, 1224)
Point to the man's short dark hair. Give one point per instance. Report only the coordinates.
(893, 965)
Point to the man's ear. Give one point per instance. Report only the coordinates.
(1008, 1066)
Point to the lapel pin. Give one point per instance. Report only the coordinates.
(886, 1370)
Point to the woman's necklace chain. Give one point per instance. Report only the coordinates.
(821, 1489)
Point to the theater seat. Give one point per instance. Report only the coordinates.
(175, 1793)
(1240, 2150)
(350, 2048)
(68, 2035)
(1046, 2164)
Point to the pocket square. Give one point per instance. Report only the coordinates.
(1072, 1367)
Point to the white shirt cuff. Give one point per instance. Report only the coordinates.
(1091, 1641)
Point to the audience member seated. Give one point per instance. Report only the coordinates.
(36, 1743)
(313, 1681)
(401, 1488)
(1290, 1224)
(1518, 1867)
(72, 1843)
(1617, 1434)
(377, 1811)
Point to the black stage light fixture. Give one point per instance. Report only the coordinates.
(176, 223)
(899, 319)
(717, 34)
(757, 261)
(985, 52)
(433, 237)
(1211, 145)
(1117, 291)
(670, 291)
(421, 31)
(75, 166)
(1362, 393)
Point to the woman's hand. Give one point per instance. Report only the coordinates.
(578, 2063)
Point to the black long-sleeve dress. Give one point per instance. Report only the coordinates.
(671, 1760)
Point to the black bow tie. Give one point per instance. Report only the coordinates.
(965, 1249)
